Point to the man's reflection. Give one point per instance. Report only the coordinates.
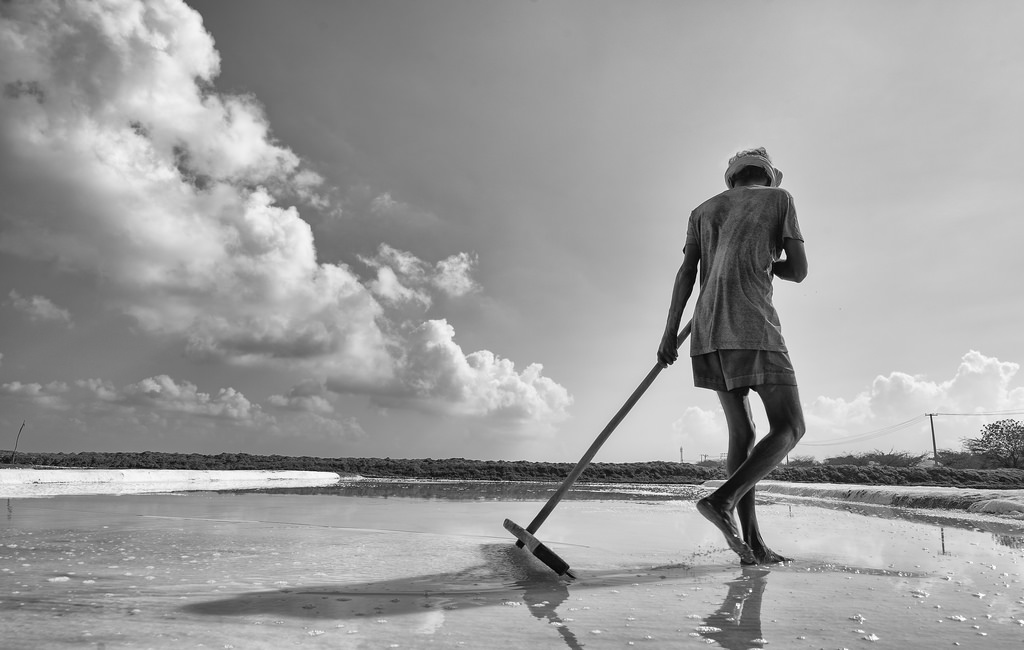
(543, 591)
(737, 623)
(543, 599)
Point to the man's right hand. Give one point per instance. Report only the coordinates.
(669, 350)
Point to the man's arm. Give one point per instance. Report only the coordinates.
(794, 267)
(685, 278)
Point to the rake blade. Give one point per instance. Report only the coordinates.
(539, 550)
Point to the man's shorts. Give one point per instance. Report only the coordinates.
(727, 370)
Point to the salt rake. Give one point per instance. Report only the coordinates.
(525, 536)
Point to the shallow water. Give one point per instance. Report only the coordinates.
(410, 565)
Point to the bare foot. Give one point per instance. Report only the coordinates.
(723, 522)
(765, 555)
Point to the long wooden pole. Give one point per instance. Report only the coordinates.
(15, 452)
(601, 438)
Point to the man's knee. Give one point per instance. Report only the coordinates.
(799, 427)
(782, 406)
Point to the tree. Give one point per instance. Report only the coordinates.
(961, 459)
(1002, 441)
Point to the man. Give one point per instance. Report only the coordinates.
(736, 239)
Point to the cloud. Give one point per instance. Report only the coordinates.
(384, 207)
(38, 308)
(980, 384)
(436, 375)
(125, 164)
(162, 394)
(701, 432)
(452, 275)
(883, 415)
(307, 397)
(122, 161)
(47, 396)
(401, 277)
(161, 406)
(404, 278)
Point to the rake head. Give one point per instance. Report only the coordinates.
(539, 550)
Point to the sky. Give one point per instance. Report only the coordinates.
(450, 228)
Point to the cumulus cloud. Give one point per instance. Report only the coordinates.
(162, 406)
(39, 308)
(404, 278)
(48, 396)
(452, 275)
(883, 415)
(436, 375)
(980, 384)
(122, 161)
(126, 164)
(162, 394)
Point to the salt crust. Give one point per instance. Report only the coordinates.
(21, 483)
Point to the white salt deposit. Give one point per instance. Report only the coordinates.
(22, 483)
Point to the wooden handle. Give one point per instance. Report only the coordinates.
(609, 428)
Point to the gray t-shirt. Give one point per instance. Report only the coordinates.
(739, 233)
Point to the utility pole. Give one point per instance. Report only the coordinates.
(935, 449)
(680, 454)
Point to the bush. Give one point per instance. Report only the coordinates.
(962, 459)
(883, 458)
(802, 461)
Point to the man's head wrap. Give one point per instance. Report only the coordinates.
(753, 158)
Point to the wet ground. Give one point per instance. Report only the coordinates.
(414, 565)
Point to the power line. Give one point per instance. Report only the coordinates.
(866, 435)
(900, 426)
(984, 413)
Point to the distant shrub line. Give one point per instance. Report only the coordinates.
(500, 470)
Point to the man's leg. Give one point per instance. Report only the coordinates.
(742, 434)
(786, 427)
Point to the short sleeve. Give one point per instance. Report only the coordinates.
(692, 237)
(790, 224)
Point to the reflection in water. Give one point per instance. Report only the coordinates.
(506, 577)
(543, 598)
(487, 490)
(737, 623)
(1012, 541)
(1005, 533)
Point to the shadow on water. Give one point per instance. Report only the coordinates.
(507, 577)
